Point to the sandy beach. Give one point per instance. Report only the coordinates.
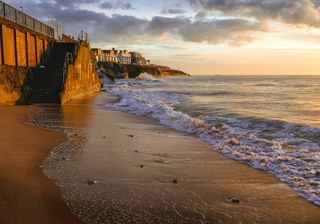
(26, 194)
(146, 173)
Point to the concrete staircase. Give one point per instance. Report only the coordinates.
(47, 84)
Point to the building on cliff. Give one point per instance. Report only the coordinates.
(138, 59)
(35, 67)
(113, 55)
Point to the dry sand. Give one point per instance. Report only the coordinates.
(27, 196)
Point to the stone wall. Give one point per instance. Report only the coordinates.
(82, 76)
(13, 84)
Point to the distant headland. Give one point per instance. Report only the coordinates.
(122, 64)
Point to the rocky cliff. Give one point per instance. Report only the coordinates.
(120, 71)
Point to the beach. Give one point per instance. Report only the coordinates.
(26, 194)
(132, 170)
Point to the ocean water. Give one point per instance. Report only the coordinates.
(271, 123)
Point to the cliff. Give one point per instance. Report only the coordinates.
(122, 71)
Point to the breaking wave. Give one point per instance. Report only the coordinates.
(291, 152)
(145, 76)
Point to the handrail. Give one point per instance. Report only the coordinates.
(68, 60)
(83, 36)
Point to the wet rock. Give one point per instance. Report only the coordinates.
(215, 130)
(218, 126)
(234, 141)
(235, 200)
(175, 181)
(314, 183)
(315, 172)
(92, 182)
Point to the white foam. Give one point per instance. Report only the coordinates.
(293, 160)
(145, 76)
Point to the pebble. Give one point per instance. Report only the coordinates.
(131, 136)
(136, 151)
(235, 200)
(218, 126)
(162, 161)
(92, 182)
(141, 166)
(234, 141)
(175, 181)
(315, 172)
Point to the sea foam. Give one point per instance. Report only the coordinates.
(268, 145)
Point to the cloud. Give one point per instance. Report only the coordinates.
(72, 3)
(117, 5)
(297, 12)
(124, 29)
(173, 11)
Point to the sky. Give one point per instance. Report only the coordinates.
(200, 37)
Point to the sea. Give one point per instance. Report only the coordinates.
(271, 123)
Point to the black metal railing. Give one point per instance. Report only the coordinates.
(70, 58)
(10, 13)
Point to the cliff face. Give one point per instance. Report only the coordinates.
(120, 71)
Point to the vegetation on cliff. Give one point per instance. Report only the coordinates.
(120, 71)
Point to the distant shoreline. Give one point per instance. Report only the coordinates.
(123, 71)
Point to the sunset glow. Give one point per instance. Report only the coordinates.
(200, 36)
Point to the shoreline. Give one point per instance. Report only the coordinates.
(27, 195)
(161, 175)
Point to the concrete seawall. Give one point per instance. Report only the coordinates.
(24, 45)
(28, 71)
(82, 76)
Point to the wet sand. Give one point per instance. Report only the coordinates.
(27, 196)
(147, 173)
